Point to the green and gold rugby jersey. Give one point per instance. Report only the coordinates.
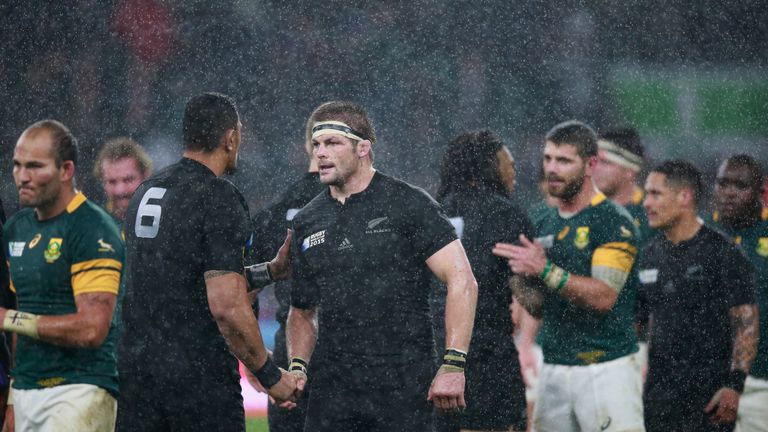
(753, 241)
(639, 218)
(600, 235)
(51, 262)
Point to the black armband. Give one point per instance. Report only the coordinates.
(269, 374)
(258, 276)
(454, 360)
(736, 380)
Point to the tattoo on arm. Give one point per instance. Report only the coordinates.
(745, 327)
(215, 273)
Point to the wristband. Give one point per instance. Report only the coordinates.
(555, 277)
(454, 360)
(258, 275)
(298, 368)
(547, 269)
(269, 374)
(22, 323)
(736, 380)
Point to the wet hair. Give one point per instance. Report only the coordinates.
(471, 163)
(682, 174)
(625, 137)
(577, 134)
(346, 112)
(755, 170)
(206, 118)
(64, 142)
(119, 148)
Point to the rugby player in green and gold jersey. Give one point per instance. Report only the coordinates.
(584, 253)
(740, 215)
(65, 259)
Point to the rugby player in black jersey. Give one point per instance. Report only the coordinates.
(186, 309)
(700, 292)
(364, 252)
(477, 178)
(269, 227)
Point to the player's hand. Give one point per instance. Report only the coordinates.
(723, 406)
(447, 391)
(284, 391)
(9, 425)
(280, 266)
(527, 259)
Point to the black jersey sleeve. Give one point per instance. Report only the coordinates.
(430, 229)
(304, 292)
(225, 230)
(738, 278)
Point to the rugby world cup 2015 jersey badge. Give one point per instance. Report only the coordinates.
(313, 240)
(15, 249)
(581, 240)
(53, 251)
(762, 247)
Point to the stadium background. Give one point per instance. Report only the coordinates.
(691, 76)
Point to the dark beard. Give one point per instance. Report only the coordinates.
(571, 189)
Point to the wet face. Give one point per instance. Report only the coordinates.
(609, 176)
(506, 168)
(233, 148)
(736, 197)
(663, 204)
(337, 158)
(120, 179)
(564, 170)
(37, 178)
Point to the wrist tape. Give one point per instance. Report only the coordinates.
(298, 367)
(736, 380)
(258, 275)
(22, 323)
(269, 374)
(554, 276)
(454, 360)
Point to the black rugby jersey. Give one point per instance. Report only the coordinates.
(363, 264)
(181, 222)
(689, 289)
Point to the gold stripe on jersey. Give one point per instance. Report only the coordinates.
(11, 287)
(76, 202)
(98, 275)
(617, 255)
(597, 199)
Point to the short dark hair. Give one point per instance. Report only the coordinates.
(625, 137)
(347, 112)
(577, 134)
(206, 118)
(471, 162)
(681, 173)
(64, 142)
(119, 148)
(755, 170)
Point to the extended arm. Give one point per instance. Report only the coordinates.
(301, 332)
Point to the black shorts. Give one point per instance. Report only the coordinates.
(180, 402)
(677, 404)
(373, 399)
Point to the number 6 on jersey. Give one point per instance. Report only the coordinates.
(149, 211)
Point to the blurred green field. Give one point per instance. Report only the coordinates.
(256, 425)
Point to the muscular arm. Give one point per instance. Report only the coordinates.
(228, 301)
(746, 330)
(88, 327)
(301, 332)
(527, 291)
(590, 293)
(451, 266)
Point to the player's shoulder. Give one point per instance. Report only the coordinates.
(90, 217)
(398, 189)
(314, 207)
(20, 216)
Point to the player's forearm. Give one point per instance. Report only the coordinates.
(529, 329)
(528, 295)
(460, 303)
(589, 293)
(301, 332)
(746, 329)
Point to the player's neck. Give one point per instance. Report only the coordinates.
(356, 183)
(684, 229)
(579, 201)
(625, 195)
(214, 161)
(57, 206)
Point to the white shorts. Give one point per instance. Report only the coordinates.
(600, 397)
(73, 407)
(753, 406)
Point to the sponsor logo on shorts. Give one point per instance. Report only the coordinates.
(15, 249)
(313, 240)
(53, 251)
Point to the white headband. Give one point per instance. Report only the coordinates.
(335, 127)
(620, 156)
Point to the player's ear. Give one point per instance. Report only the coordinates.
(67, 170)
(363, 148)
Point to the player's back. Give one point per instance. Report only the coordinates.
(174, 223)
